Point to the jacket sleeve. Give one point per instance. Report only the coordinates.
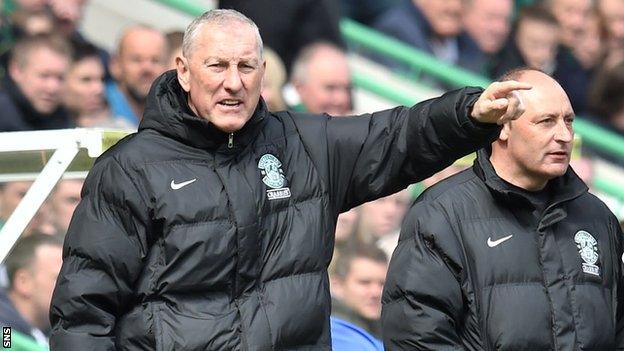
(422, 299)
(373, 155)
(102, 258)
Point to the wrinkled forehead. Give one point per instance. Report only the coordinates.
(233, 36)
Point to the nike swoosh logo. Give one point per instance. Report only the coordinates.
(492, 243)
(176, 186)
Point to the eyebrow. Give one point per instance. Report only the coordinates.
(244, 59)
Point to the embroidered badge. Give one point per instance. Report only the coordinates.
(588, 249)
(273, 177)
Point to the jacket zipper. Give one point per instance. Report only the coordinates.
(231, 140)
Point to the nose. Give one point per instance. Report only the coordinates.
(377, 290)
(232, 80)
(564, 132)
(54, 84)
(97, 87)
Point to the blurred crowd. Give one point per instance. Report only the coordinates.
(52, 77)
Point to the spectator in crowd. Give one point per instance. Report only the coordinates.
(30, 5)
(380, 220)
(612, 12)
(322, 79)
(84, 91)
(24, 23)
(141, 57)
(274, 80)
(84, 87)
(32, 268)
(63, 202)
(11, 193)
(514, 253)
(27, 23)
(591, 48)
(435, 27)
(572, 16)
(67, 15)
(356, 285)
(32, 91)
(578, 66)
(174, 43)
(534, 44)
(220, 211)
(299, 24)
(607, 98)
(488, 23)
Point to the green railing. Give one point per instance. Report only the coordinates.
(359, 35)
(417, 60)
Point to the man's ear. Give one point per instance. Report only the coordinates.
(504, 134)
(22, 282)
(182, 67)
(15, 72)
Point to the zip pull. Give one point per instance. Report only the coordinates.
(230, 140)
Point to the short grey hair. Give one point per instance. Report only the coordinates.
(218, 17)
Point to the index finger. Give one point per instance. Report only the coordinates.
(508, 86)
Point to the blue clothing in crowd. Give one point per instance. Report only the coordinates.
(119, 105)
(348, 337)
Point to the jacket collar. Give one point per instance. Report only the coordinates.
(167, 112)
(564, 188)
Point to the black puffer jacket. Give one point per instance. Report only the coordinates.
(475, 269)
(182, 242)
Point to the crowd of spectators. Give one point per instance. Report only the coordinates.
(52, 77)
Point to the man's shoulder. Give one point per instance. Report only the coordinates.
(590, 206)
(403, 21)
(12, 119)
(451, 188)
(10, 316)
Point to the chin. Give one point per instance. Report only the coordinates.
(555, 172)
(230, 125)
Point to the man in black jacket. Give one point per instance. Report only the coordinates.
(210, 228)
(30, 98)
(513, 254)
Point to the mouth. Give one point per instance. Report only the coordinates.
(562, 155)
(230, 104)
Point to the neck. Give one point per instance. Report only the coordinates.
(25, 309)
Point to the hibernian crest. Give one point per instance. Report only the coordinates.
(273, 176)
(588, 249)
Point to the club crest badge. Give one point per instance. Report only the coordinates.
(588, 249)
(273, 177)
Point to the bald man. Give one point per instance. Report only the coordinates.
(141, 56)
(322, 78)
(512, 254)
